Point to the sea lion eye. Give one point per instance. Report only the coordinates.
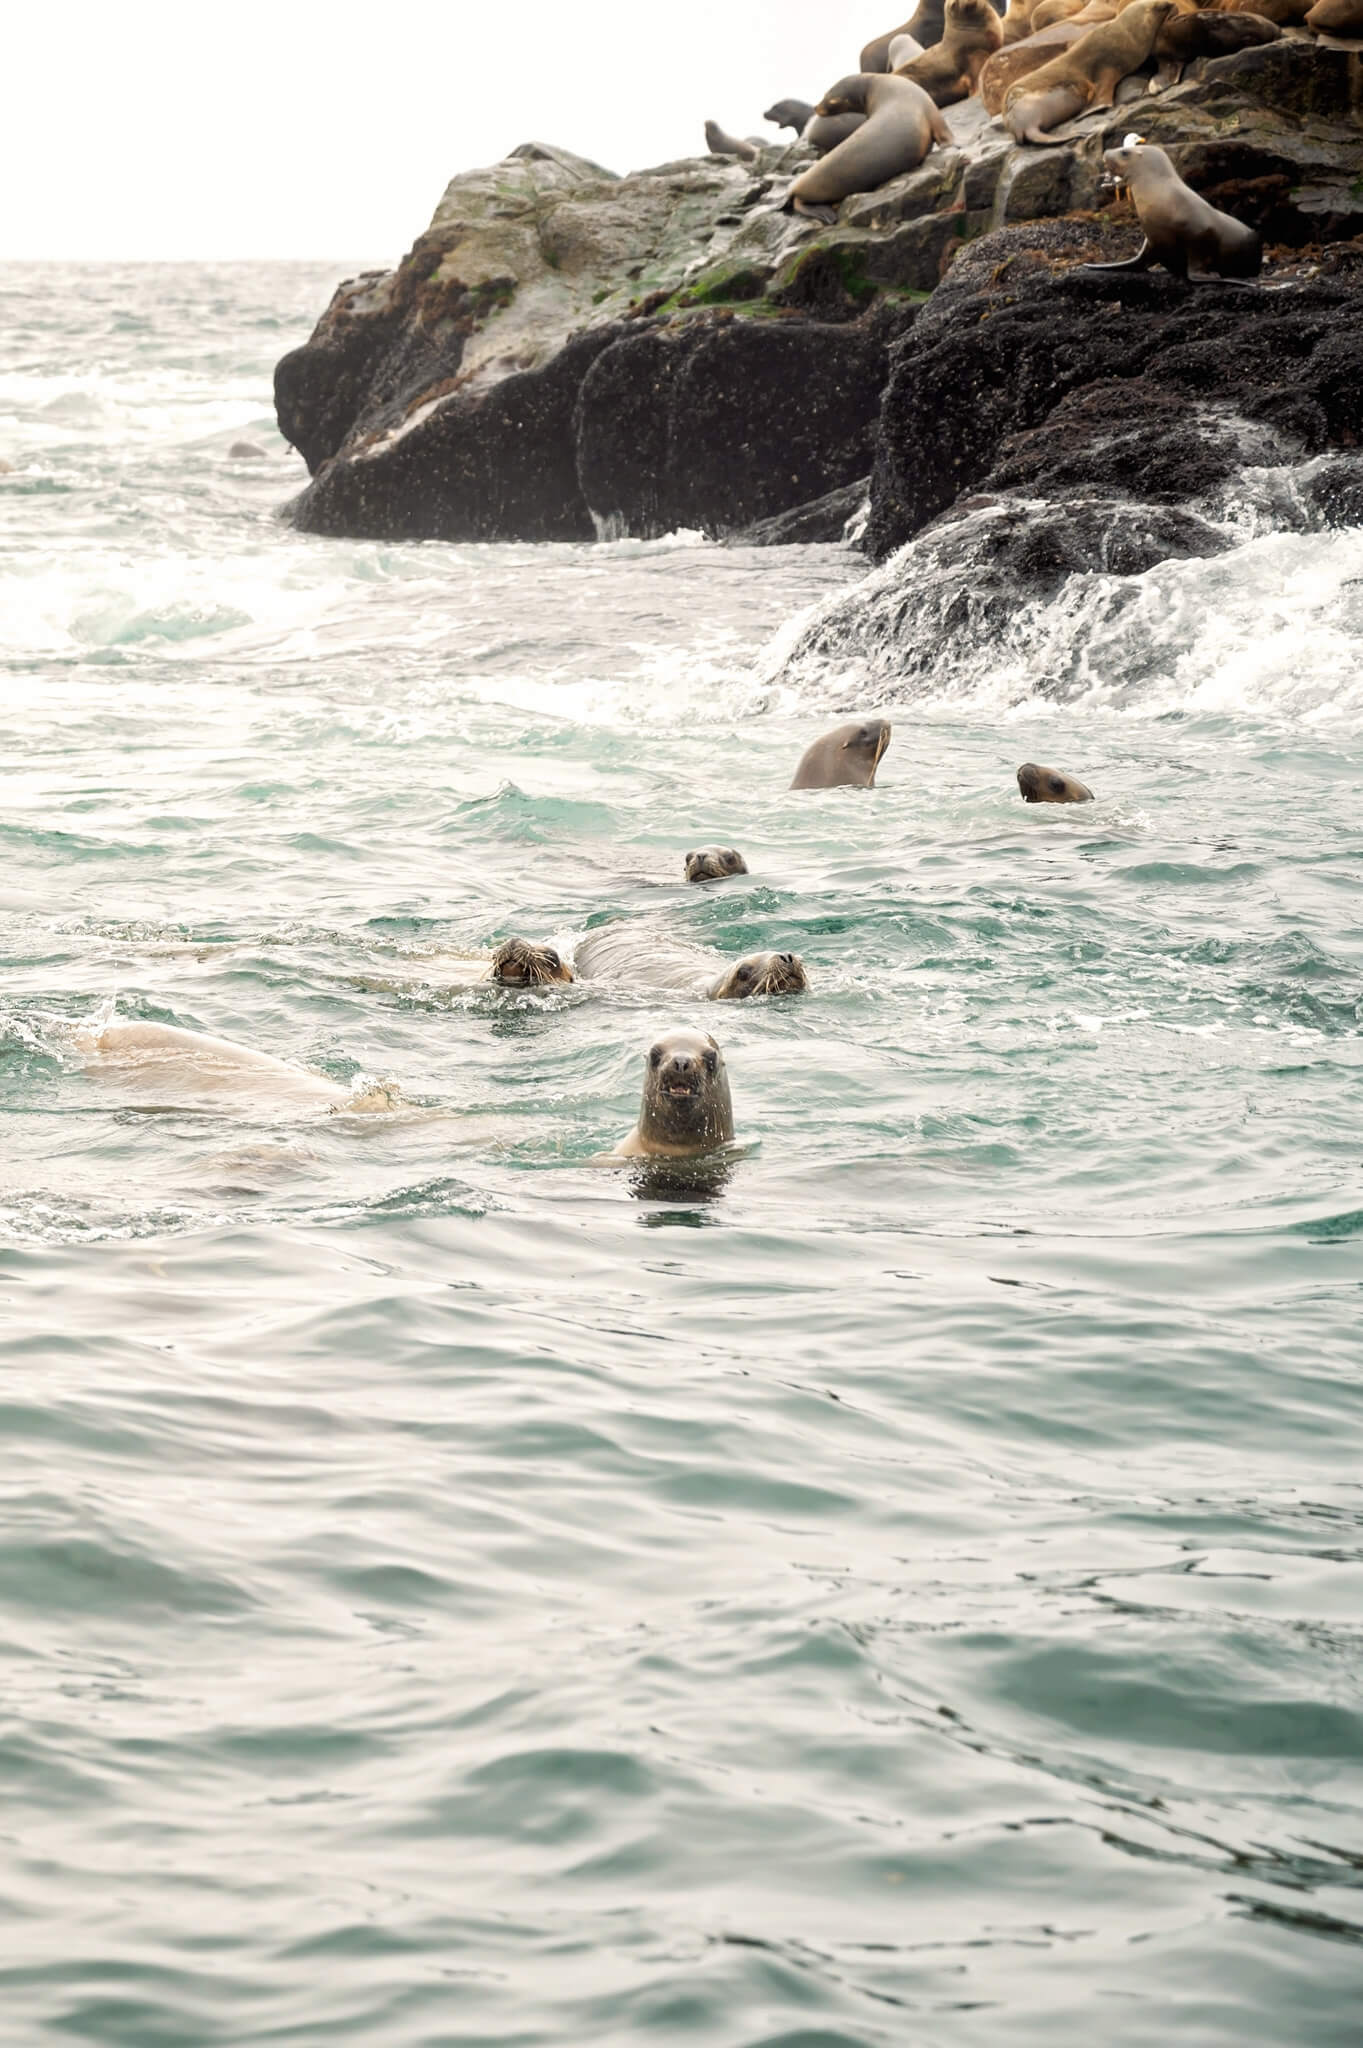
(655, 1058)
(1057, 786)
(711, 1062)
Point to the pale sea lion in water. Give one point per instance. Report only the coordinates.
(846, 758)
(686, 1108)
(949, 70)
(171, 1064)
(900, 128)
(712, 863)
(1087, 74)
(639, 956)
(1048, 786)
(1185, 234)
(720, 144)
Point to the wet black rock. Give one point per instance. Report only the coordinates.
(1025, 369)
(823, 519)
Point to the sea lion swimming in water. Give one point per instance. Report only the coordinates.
(686, 1108)
(641, 957)
(712, 863)
(1087, 74)
(949, 70)
(173, 1065)
(1049, 786)
(1181, 230)
(847, 757)
(720, 144)
(520, 964)
(900, 128)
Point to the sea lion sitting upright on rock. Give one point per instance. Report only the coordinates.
(686, 1109)
(900, 128)
(1049, 786)
(794, 114)
(720, 144)
(1087, 74)
(846, 758)
(1185, 234)
(925, 26)
(949, 70)
(712, 863)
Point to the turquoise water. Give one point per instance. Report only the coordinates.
(905, 1587)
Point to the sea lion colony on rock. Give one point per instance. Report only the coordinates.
(1042, 64)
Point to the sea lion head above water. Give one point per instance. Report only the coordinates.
(1049, 786)
(519, 964)
(761, 974)
(686, 1108)
(712, 863)
(847, 757)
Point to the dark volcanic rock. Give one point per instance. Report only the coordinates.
(716, 426)
(825, 519)
(1001, 358)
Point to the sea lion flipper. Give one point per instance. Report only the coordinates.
(827, 214)
(1144, 259)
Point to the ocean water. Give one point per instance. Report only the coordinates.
(905, 1585)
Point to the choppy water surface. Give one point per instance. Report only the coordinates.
(910, 1589)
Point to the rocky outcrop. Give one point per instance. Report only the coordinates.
(565, 352)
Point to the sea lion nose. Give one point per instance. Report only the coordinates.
(786, 959)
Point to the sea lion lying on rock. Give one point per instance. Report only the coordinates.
(720, 144)
(900, 128)
(641, 957)
(1185, 234)
(1336, 17)
(1049, 786)
(846, 758)
(948, 70)
(1087, 74)
(712, 863)
(1209, 33)
(686, 1109)
(1018, 60)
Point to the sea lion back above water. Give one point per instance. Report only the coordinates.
(1182, 231)
(686, 1108)
(846, 758)
(1048, 786)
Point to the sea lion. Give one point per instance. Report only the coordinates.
(1287, 13)
(518, 963)
(1049, 786)
(826, 131)
(847, 757)
(924, 25)
(1017, 22)
(639, 956)
(948, 71)
(170, 1064)
(1087, 74)
(245, 451)
(712, 863)
(1211, 32)
(900, 128)
(686, 1108)
(1336, 18)
(903, 50)
(720, 144)
(1185, 234)
(1019, 60)
(794, 114)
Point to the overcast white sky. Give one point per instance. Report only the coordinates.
(142, 128)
